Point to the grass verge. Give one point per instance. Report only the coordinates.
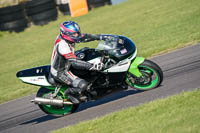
(176, 114)
(154, 25)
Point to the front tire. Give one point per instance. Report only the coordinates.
(53, 110)
(152, 76)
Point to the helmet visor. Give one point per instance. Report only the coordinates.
(76, 36)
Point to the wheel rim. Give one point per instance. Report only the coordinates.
(153, 83)
(66, 109)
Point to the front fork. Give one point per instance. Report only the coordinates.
(133, 69)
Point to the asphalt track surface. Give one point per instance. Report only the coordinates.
(181, 73)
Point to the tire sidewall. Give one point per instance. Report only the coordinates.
(156, 68)
(18, 25)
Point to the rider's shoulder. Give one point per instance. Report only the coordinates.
(60, 41)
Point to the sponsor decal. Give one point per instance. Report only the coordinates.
(38, 70)
(69, 55)
(123, 51)
(81, 55)
(121, 41)
(37, 79)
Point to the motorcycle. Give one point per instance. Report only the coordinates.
(122, 69)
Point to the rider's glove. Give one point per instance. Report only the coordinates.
(107, 37)
(97, 66)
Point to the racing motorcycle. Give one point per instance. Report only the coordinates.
(122, 68)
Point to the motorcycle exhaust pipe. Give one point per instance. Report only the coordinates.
(52, 102)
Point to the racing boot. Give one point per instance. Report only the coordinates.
(73, 99)
(73, 94)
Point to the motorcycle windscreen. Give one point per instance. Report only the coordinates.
(119, 48)
(35, 76)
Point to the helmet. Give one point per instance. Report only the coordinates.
(70, 31)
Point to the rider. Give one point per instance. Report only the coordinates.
(63, 57)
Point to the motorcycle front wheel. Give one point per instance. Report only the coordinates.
(54, 110)
(152, 76)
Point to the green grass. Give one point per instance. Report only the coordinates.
(154, 25)
(176, 114)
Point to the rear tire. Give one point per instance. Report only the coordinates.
(64, 8)
(10, 9)
(12, 16)
(34, 3)
(52, 110)
(40, 8)
(151, 73)
(17, 26)
(45, 17)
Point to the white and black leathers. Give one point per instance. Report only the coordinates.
(63, 57)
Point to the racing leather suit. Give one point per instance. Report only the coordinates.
(63, 56)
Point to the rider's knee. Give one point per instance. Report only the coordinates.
(80, 83)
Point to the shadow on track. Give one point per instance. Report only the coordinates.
(40, 120)
(107, 99)
(111, 97)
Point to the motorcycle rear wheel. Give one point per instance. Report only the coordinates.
(53, 110)
(152, 76)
